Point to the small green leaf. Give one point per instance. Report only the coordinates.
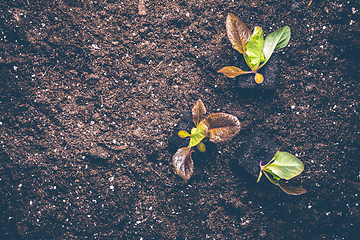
(237, 32)
(198, 112)
(201, 147)
(222, 127)
(275, 41)
(183, 134)
(273, 181)
(273, 175)
(254, 49)
(231, 71)
(198, 134)
(183, 163)
(285, 166)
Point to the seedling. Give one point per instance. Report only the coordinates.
(255, 49)
(283, 166)
(218, 127)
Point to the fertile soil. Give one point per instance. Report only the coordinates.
(92, 94)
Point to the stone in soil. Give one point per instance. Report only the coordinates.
(246, 83)
(257, 147)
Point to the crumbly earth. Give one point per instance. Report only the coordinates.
(92, 91)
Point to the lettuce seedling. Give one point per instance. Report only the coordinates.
(283, 166)
(255, 49)
(218, 127)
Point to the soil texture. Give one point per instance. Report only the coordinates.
(93, 92)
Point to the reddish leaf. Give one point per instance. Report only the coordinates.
(231, 71)
(237, 32)
(222, 126)
(291, 189)
(183, 163)
(198, 112)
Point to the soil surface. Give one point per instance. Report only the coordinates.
(92, 92)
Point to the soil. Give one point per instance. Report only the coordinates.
(92, 93)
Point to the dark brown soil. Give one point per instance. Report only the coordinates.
(91, 92)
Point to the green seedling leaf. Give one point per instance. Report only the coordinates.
(259, 78)
(198, 134)
(285, 166)
(201, 147)
(184, 165)
(254, 49)
(291, 189)
(231, 71)
(275, 41)
(183, 134)
(222, 126)
(237, 32)
(272, 180)
(273, 175)
(198, 112)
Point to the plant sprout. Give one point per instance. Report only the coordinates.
(218, 127)
(255, 49)
(283, 166)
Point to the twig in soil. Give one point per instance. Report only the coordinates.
(155, 172)
(27, 2)
(159, 64)
(104, 142)
(48, 70)
(45, 72)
